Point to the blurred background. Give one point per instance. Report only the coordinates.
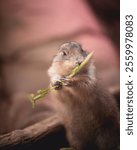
(31, 32)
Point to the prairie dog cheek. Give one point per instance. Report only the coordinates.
(64, 68)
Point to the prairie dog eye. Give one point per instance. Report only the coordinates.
(64, 53)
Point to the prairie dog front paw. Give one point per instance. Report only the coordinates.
(61, 82)
(66, 81)
(57, 85)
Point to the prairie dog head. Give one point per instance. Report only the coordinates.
(68, 57)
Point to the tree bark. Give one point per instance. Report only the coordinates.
(30, 133)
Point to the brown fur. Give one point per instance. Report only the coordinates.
(87, 111)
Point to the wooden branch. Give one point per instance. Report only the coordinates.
(30, 133)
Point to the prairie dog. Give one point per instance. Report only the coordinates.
(87, 111)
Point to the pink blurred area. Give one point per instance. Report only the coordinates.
(35, 20)
(32, 31)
